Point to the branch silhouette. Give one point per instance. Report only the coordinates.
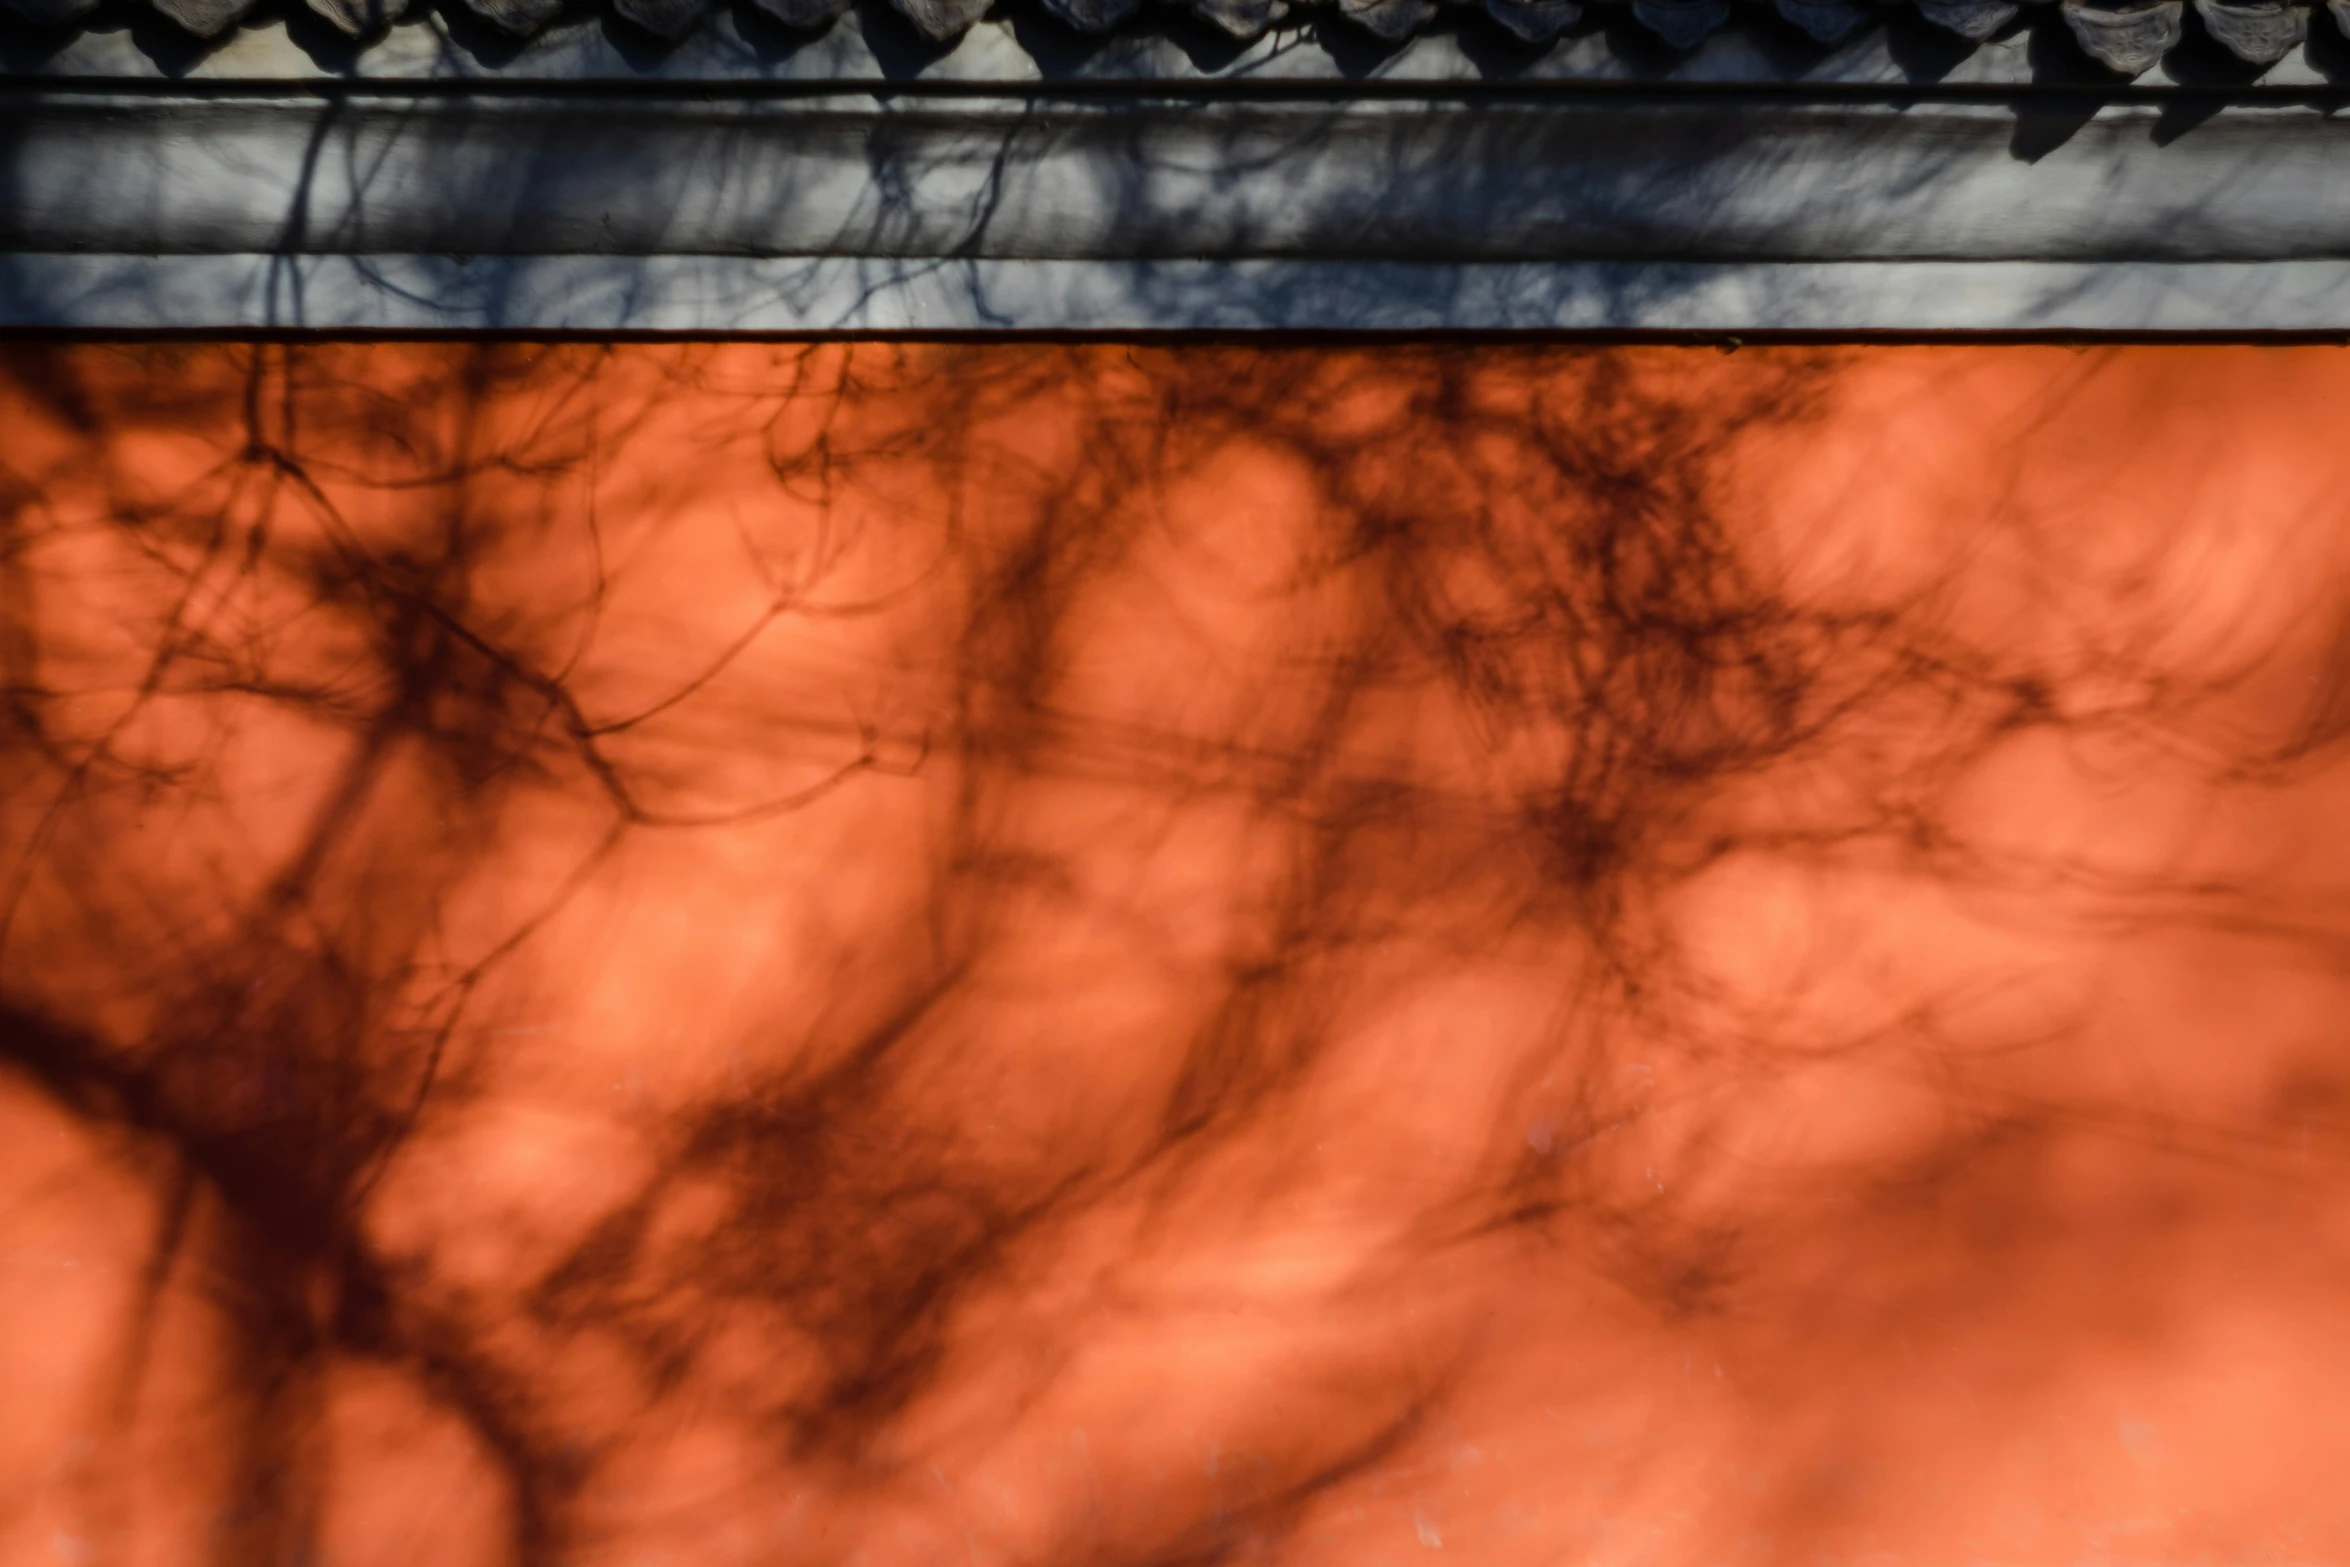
(1111, 954)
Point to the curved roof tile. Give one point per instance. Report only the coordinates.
(2126, 36)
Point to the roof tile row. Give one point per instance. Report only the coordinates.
(2127, 36)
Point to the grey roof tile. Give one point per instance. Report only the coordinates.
(2127, 36)
(52, 13)
(940, 20)
(663, 18)
(1976, 19)
(1825, 20)
(358, 18)
(205, 18)
(1682, 23)
(2258, 34)
(519, 17)
(1240, 18)
(1389, 19)
(1535, 20)
(803, 14)
(1092, 16)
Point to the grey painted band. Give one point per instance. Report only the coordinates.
(215, 206)
(1696, 179)
(606, 294)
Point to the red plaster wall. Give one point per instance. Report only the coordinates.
(1098, 955)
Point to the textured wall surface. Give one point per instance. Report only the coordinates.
(1130, 956)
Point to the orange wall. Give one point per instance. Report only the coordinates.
(1099, 955)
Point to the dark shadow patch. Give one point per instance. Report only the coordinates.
(1924, 53)
(2182, 113)
(491, 48)
(1501, 55)
(770, 40)
(898, 47)
(2045, 123)
(2326, 50)
(1356, 51)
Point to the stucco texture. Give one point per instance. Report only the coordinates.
(1026, 953)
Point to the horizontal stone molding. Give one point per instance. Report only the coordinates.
(1669, 180)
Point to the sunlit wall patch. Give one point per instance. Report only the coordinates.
(1134, 953)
